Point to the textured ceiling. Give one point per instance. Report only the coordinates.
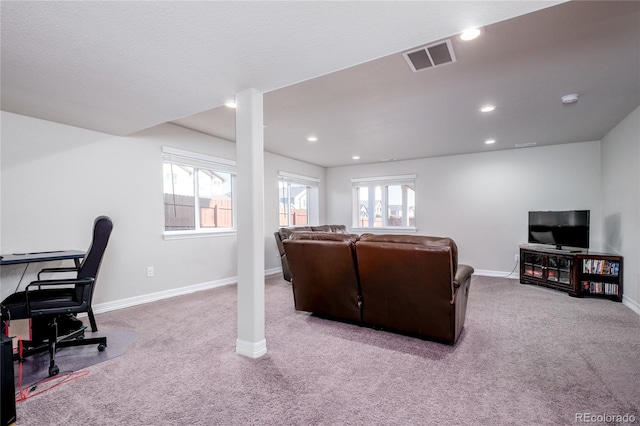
(119, 67)
(381, 110)
(331, 69)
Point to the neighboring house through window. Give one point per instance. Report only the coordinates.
(384, 202)
(199, 193)
(299, 200)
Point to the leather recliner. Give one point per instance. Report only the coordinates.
(286, 232)
(403, 283)
(413, 284)
(325, 274)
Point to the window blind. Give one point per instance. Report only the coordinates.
(299, 179)
(384, 180)
(194, 159)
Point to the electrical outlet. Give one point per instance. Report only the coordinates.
(150, 271)
(517, 257)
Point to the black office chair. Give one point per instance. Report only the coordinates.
(49, 302)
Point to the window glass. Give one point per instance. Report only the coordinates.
(216, 200)
(401, 206)
(214, 183)
(298, 204)
(384, 204)
(179, 202)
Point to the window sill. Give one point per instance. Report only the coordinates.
(183, 235)
(395, 230)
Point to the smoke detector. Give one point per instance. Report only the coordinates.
(569, 99)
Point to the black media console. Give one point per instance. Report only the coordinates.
(581, 274)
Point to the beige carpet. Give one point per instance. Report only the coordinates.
(527, 356)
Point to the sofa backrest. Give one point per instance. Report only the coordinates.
(286, 232)
(323, 236)
(407, 283)
(324, 274)
(417, 239)
(338, 229)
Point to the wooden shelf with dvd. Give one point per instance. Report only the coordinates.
(599, 275)
(581, 274)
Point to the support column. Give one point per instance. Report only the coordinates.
(251, 340)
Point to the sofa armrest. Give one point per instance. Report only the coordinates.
(279, 243)
(462, 274)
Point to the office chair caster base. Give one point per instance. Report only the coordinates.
(53, 370)
(101, 347)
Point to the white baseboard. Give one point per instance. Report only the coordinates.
(499, 274)
(631, 304)
(273, 271)
(152, 297)
(251, 349)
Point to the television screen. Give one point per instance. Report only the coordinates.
(560, 228)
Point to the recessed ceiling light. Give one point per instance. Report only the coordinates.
(490, 141)
(230, 104)
(487, 108)
(356, 157)
(470, 34)
(569, 99)
(312, 139)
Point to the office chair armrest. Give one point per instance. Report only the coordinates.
(69, 281)
(62, 282)
(52, 270)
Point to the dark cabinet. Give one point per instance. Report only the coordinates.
(579, 274)
(546, 269)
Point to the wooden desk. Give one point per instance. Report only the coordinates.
(13, 276)
(42, 256)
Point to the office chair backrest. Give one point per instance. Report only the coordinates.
(90, 266)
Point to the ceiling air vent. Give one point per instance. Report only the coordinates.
(430, 56)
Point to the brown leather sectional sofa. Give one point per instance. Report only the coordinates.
(403, 283)
(285, 232)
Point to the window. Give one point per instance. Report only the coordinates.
(299, 201)
(212, 179)
(384, 202)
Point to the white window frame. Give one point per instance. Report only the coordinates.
(308, 181)
(371, 183)
(201, 161)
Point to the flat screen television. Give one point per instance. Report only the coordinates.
(563, 229)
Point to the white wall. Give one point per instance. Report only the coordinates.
(274, 164)
(621, 200)
(482, 200)
(56, 179)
